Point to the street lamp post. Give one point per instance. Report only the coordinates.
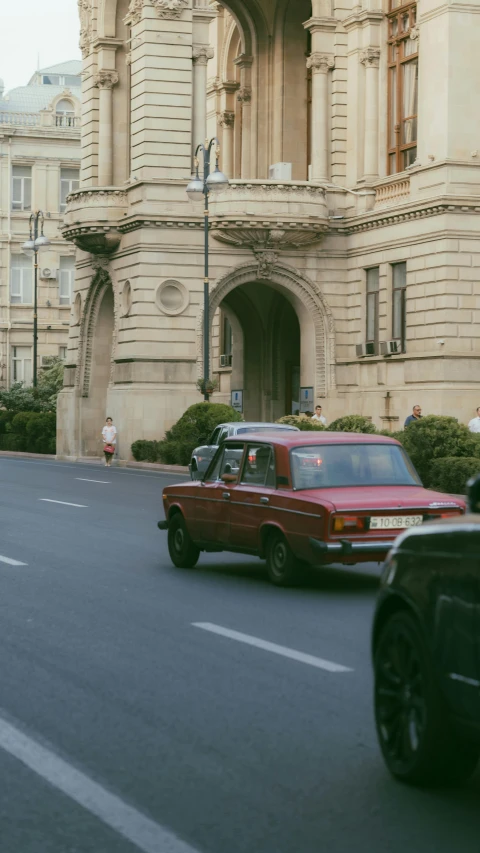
(212, 182)
(35, 242)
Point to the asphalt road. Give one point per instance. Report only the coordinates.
(124, 726)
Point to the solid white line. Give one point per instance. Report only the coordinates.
(86, 480)
(10, 562)
(64, 503)
(148, 836)
(319, 663)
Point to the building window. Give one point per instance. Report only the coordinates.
(22, 365)
(21, 280)
(399, 314)
(62, 353)
(61, 80)
(372, 307)
(402, 85)
(66, 279)
(21, 188)
(65, 114)
(69, 181)
(226, 342)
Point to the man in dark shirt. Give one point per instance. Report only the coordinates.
(415, 416)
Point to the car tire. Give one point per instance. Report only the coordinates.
(415, 733)
(282, 566)
(183, 552)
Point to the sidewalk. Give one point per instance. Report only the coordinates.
(98, 460)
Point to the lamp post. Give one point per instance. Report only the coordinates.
(35, 242)
(212, 182)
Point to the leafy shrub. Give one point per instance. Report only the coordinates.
(145, 451)
(12, 442)
(18, 423)
(352, 423)
(5, 419)
(43, 398)
(437, 437)
(31, 432)
(451, 473)
(302, 422)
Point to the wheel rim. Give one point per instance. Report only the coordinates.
(279, 556)
(399, 699)
(178, 540)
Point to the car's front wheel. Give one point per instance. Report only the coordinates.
(416, 737)
(282, 566)
(183, 552)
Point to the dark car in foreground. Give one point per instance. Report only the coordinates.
(426, 651)
(203, 455)
(300, 499)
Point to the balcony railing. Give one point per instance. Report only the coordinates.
(41, 119)
(20, 119)
(66, 121)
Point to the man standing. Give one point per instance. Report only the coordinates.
(319, 417)
(415, 416)
(474, 425)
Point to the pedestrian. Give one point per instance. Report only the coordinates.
(109, 436)
(318, 416)
(474, 424)
(415, 416)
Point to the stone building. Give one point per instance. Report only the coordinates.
(39, 167)
(345, 255)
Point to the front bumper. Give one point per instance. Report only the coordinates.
(344, 547)
(163, 525)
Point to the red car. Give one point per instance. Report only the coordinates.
(301, 499)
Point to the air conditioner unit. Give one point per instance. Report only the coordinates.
(280, 172)
(390, 347)
(47, 360)
(226, 360)
(48, 273)
(365, 349)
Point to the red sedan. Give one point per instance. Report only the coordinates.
(301, 499)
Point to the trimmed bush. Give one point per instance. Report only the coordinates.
(452, 473)
(10, 441)
(352, 423)
(437, 437)
(302, 422)
(31, 432)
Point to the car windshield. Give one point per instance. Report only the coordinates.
(329, 465)
(261, 429)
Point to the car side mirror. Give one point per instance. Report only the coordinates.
(228, 478)
(473, 494)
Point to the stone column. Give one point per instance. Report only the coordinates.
(226, 121)
(201, 55)
(105, 81)
(244, 97)
(320, 63)
(370, 58)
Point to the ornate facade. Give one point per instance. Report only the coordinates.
(345, 255)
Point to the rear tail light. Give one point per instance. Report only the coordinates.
(348, 524)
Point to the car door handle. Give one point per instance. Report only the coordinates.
(264, 500)
(226, 496)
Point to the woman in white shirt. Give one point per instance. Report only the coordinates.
(109, 435)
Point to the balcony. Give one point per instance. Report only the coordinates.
(45, 119)
(92, 217)
(269, 213)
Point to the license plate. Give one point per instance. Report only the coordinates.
(394, 522)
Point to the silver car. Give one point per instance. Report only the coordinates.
(201, 456)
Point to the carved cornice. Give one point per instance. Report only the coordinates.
(321, 25)
(363, 17)
(201, 54)
(170, 8)
(134, 14)
(226, 119)
(106, 79)
(98, 198)
(244, 95)
(370, 57)
(270, 238)
(243, 61)
(320, 63)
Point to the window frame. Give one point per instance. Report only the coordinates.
(71, 276)
(401, 305)
(14, 360)
(397, 39)
(25, 267)
(265, 485)
(18, 206)
(70, 188)
(375, 293)
(219, 455)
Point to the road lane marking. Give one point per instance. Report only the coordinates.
(148, 836)
(311, 660)
(86, 480)
(64, 503)
(10, 562)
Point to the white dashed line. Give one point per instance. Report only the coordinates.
(10, 562)
(147, 835)
(86, 480)
(64, 503)
(311, 660)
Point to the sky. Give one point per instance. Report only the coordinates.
(36, 31)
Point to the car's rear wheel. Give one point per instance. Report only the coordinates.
(183, 552)
(282, 566)
(416, 737)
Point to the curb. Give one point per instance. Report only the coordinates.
(97, 460)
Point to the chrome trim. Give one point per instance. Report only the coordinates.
(345, 547)
(318, 516)
(472, 682)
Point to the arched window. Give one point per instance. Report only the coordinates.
(65, 114)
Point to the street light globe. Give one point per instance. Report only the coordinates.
(195, 189)
(217, 182)
(41, 242)
(28, 246)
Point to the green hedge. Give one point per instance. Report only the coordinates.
(28, 432)
(452, 473)
(302, 422)
(352, 423)
(437, 437)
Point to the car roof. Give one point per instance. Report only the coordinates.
(314, 437)
(260, 424)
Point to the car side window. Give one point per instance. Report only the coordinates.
(259, 466)
(223, 435)
(213, 440)
(227, 460)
